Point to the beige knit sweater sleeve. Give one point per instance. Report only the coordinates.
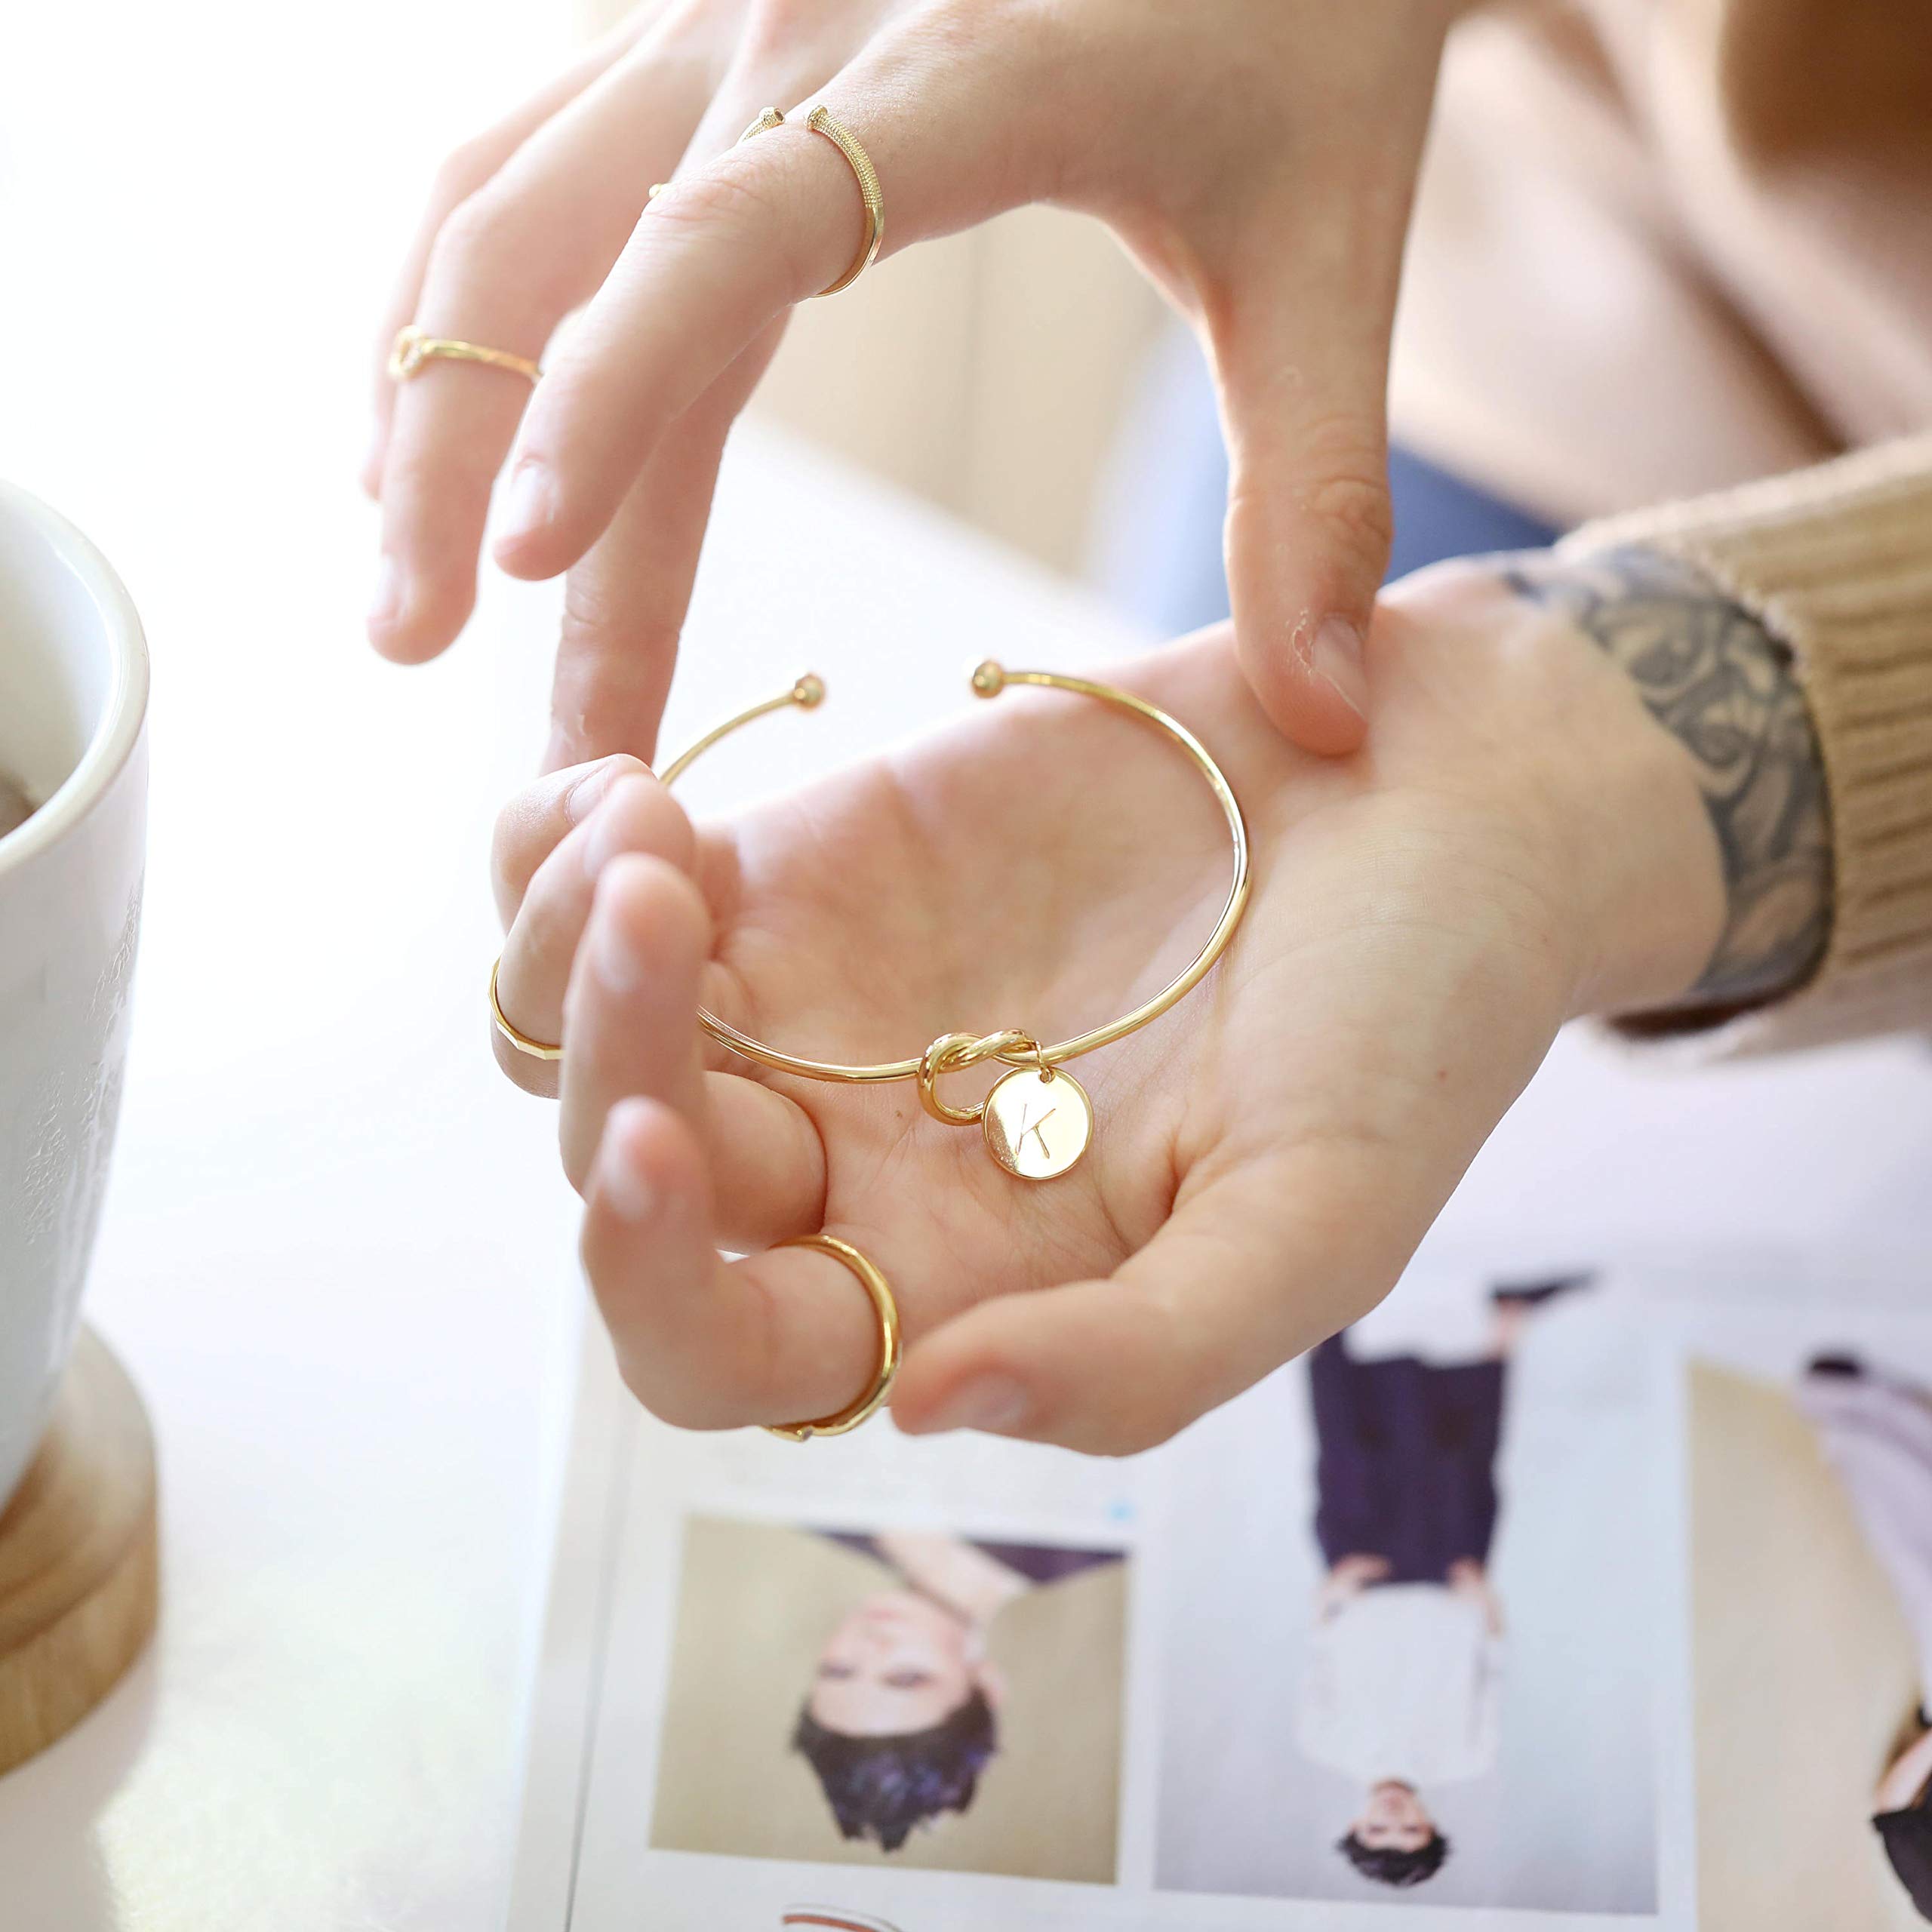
(1837, 560)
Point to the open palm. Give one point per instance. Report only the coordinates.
(1265, 1157)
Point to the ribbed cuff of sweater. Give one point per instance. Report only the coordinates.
(1837, 562)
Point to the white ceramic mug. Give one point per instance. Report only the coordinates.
(73, 705)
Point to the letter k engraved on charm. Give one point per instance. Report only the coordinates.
(1028, 1123)
(1015, 1122)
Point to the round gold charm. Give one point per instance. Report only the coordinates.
(1037, 1125)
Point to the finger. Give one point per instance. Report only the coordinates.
(630, 1029)
(636, 814)
(781, 1336)
(625, 604)
(1301, 354)
(725, 252)
(465, 171)
(626, 600)
(539, 818)
(1252, 1271)
(507, 265)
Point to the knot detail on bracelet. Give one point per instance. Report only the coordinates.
(1037, 1120)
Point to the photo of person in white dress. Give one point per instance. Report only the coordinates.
(1401, 1690)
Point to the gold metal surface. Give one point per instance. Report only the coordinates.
(523, 1043)
(414, 350)
(890, 1343)
(819, 121)
(1037, 1124)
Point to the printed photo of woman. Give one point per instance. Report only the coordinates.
(952, 1702)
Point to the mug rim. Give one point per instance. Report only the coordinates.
(113, 741)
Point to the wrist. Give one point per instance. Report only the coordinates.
(1629, 867)
(1722, 689)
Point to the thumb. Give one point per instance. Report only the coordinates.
(1307, 531)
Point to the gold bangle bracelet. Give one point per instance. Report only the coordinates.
(1015, 1116)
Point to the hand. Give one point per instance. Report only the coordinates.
(1266, 1156)
(1256, 156)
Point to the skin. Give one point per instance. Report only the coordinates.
(1256, 157)
(906, 1659)
(1392, 1818)
(949, 1570)
(898, 1661)
(1903, 1784)
(1426, 914)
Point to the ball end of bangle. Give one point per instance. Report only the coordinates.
(989, 679)
(809, 691)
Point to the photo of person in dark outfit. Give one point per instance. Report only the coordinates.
(1401, 1689)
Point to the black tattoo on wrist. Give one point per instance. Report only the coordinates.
(1727, 689)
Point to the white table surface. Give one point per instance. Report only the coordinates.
(337, 1255)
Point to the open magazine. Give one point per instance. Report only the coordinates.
(1572, 1586)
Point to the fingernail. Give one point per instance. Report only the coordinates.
(630, 1196)
(385, 605)
(617, 965)
(584, 797)
(1336, 659)
(531, 503)
(993, 1403)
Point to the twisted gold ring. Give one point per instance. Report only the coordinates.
(890, 1344)
(414, 350)
(1038, 1119)
(819, 121)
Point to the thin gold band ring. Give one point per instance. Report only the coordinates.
(523, 1043)
(415, 349)
(890, 1344)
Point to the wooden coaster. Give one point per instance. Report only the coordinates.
(77, 1557)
